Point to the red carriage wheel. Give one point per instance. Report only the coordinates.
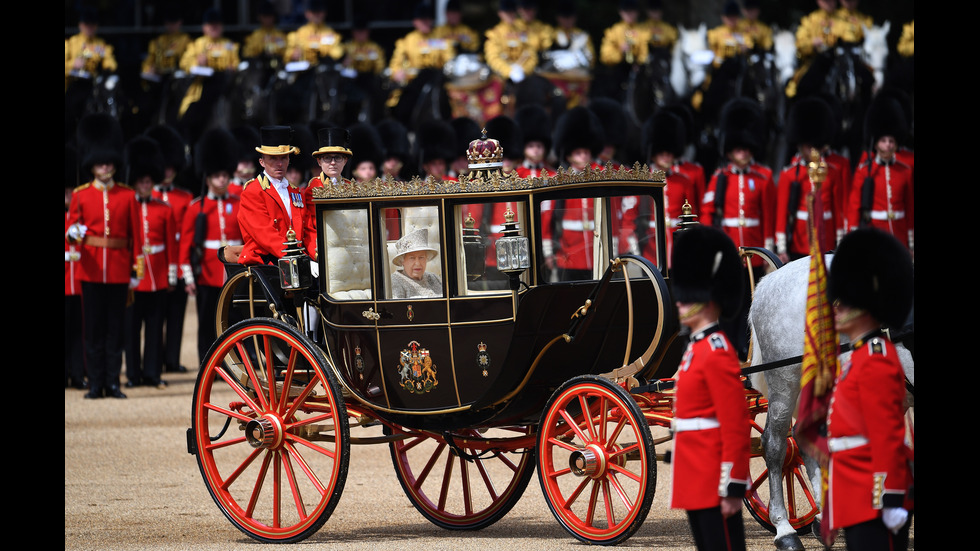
(800, 502)
(273, 456)
(466, 486)
(596, 460)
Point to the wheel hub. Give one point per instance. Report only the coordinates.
(264, 432)
(589, 461)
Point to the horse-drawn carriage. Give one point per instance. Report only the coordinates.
(508, 368)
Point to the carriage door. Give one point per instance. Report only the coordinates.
(414, 350)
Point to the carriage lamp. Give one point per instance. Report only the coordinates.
(294, 266)
(513, 252)
(474, 249)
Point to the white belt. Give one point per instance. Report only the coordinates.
(736, 222)
(842, 443)
(217, 244)
(694, 423)
(577, 225)
(154, 249)
(885, 215)
(803, 215)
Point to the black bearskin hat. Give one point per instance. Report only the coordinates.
(664, 131)
(100, 140)
(505, 130)
(394, 136)
(873, 271)
(535, 125)
(247, 136)
(216, 150)
(886, 116)
(144, 158)
(742, 125)
(684, 112)
(615, 124)
(365, 145)
(576, 128)
(810, 122)
(305, 141)
(435, 139)
(172, 145)
(466, 130)
(705, 267)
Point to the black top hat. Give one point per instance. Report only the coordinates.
(873, 271)
(731, 9)
(88, 15)
(144, 158)
(507, 5)
(423, 10)
(333, 139)
(705, 267)
(276, 141)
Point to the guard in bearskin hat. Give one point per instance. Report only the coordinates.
(568, 225)
(367, 152)
(871, 285)
(809, 129)
(616, 131)
(246, 137)
(741, 198)
(710, 457)
(210, 223)
(882, 193)
(434, 143)
(102, 225)
(741, 195)
(535, 125)
(398, 149)
(173, 191)
(662, 144)
(156, 260)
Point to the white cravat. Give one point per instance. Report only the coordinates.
(282, 188)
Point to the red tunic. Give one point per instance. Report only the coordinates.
(749, 207)
(222, 229)
(264, 221)
(869, 460)
(109, 212)
(156, 244)
(710, 459)
(695, 173)
(795, 239)
(178, 199)
(892, 206)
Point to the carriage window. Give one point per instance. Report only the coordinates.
(413, 266)
(346, 255)
(573, 248)
(479, 226)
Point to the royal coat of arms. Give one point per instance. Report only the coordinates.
(417, 370)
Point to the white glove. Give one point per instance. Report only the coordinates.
(347, 72)
(894, 518)
(516, 73)
(134, 282)
(172, 275)
(315, 268)
(77, 231)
